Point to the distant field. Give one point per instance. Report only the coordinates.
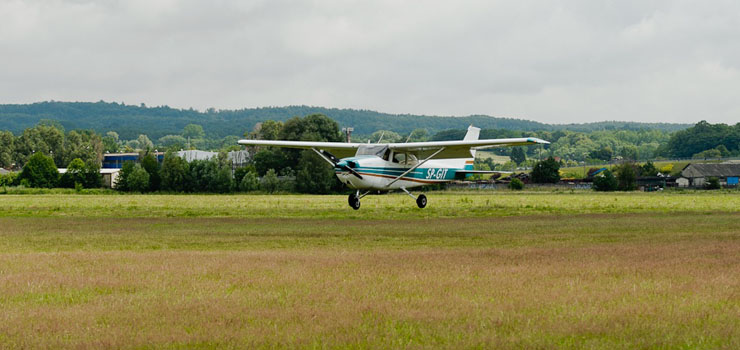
(496, 158)
(497, 270)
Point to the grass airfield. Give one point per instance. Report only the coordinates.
(472, 270)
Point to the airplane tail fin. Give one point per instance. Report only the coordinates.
(472, 135)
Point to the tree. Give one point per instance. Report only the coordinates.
(629, 152)
(518, 156)
(708, 154)
(267, 130)
(172, 141)
(603, 153)
(270, 182)
(83, 144)
(144, 142)
(75, 174)
(605, 181)
(314, 174)
(110, 143)
(174, 173)
(40, 139)
(546, 171)
(138, 179)
(122, 183)
(648, 169)
(626, 177)
(151, 165)
(193, 131)
(270, 158)
(7, 148)
(40, 171)
(387, 137)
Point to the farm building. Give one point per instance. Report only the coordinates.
(696, 174)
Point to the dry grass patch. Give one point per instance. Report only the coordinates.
(603, 296)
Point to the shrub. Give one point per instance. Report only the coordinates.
(249, 182)
(712, 184)
(40, 171)
(516, 184)
(270, 182)
(605, 182)
(9, 179)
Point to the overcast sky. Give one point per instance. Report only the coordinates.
(550, 61)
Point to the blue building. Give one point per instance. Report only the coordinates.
(116, 160)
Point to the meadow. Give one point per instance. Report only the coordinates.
(502, 270)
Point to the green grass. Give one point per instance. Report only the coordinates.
(389, 206)
(497, 270)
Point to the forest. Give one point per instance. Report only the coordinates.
(129, 121)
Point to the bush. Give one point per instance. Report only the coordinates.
(712, 184)
(605, 182)
(249, 182)
(40, 171)
(546, 171)
(270, 182)
(516, 184)
(9, 179)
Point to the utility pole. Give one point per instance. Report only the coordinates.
(348, 133)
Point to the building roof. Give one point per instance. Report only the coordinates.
(3, 171)
(717, 170)
(102, 170)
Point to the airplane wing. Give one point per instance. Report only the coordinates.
(461, 148)
(452, 149)
(338, 149)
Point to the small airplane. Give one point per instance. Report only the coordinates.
(393, 166)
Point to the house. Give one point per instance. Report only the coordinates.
(698, 173)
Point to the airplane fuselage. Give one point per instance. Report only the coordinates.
(378, 173)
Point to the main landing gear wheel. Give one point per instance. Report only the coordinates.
(354, 201)
(421, 201)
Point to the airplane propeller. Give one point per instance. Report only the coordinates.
(340, 164)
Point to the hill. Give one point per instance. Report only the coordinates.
(130, 121)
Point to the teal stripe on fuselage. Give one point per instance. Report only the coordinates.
(419, 173)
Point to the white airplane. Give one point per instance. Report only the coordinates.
(392, 166)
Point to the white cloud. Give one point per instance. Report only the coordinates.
(565, 61)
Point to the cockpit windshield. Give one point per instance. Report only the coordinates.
(381, 151)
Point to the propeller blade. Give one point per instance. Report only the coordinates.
(352, 171)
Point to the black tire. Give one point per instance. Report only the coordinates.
(421, 201)
(353, 201)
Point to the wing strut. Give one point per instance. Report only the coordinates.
(415, 166)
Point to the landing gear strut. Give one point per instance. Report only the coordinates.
(354, 199)
(421, 200)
